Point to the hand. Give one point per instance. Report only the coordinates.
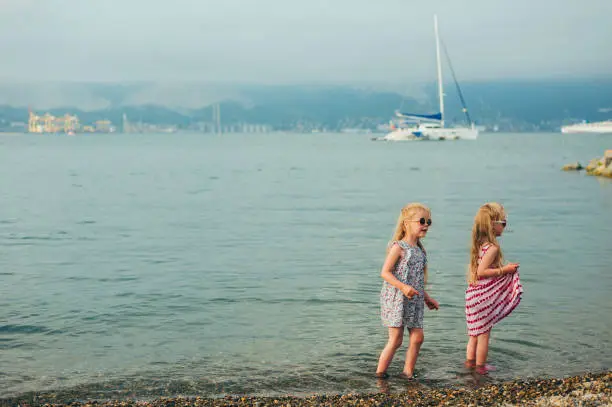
(431, 303)
(409, 291)
(511, 268)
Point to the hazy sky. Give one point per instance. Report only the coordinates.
(279, 41)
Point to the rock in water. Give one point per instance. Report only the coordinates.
(601, 167)
(573, 167)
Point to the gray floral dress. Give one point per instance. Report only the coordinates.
(396, 309)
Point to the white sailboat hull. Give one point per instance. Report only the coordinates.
(416, 134)
(453, 133)
(401, 135)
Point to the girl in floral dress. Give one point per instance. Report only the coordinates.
(403, 296)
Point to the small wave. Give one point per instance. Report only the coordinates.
(288, 300)
(52, 237)
(512, 353)
(15, 345)
(525, 343)
(159, 261)
(23, 329)
(78, 278)
(120, 279)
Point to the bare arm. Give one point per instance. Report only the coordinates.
(485, 270)
(394, 254)
(431, 303)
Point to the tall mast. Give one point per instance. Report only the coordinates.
(440, 90)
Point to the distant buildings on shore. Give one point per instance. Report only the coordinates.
(48, 123)
(140, 127)
(67, 124)
(70, 124)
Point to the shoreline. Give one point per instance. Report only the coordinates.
(591, 389)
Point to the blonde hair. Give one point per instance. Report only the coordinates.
(407, 213)
(482, 233)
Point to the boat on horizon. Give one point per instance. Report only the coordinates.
(410, 126)
(604, 127)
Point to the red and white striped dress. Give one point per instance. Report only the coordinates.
(491, 299)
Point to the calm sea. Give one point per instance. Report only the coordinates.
(196, 264)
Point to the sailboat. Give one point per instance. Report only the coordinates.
(409, 126)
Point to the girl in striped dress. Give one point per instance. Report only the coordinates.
(494, 288)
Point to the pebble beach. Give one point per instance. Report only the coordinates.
(593, 389)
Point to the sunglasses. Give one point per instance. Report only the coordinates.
(501, 222)
(423, 221)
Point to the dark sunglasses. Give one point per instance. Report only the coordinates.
(501, 222)
(422, 221)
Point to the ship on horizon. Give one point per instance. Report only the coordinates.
(604, 127)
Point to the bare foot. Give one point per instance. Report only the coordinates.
(484, 369)
(406, 376)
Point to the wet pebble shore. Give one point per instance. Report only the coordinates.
(585, 390)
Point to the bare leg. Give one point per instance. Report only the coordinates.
(395, 341)
(482, 349)
(470, 353)
(416, 340)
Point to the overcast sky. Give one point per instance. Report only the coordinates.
(281, 41)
